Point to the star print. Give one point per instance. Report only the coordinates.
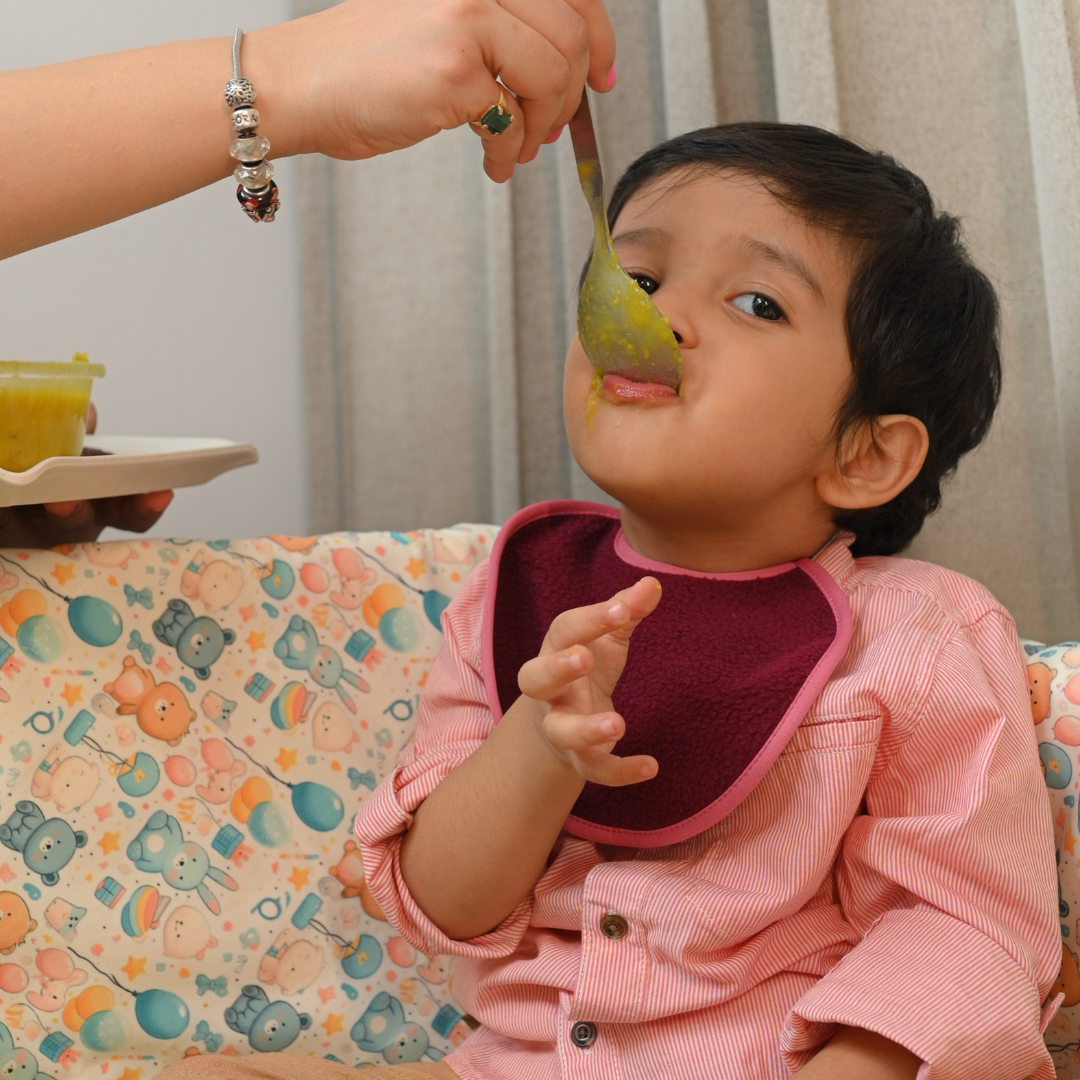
(326, 993)
(415, 567)
(299, 877)
(1069, 841)
(247, 612)
(71, 693)
(286, 759)
(333, 1022)
(131, 1074)
(109, 841)
(136, 965)
(63, 572)
(256, 640)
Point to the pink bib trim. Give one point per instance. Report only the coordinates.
(734, 664)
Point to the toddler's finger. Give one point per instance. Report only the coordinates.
(579, 626)
(547, 676)
(571, 731)
(612, 771)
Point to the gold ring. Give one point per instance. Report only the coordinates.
(496, 118)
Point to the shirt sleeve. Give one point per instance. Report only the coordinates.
(453, 720)
(950, 877)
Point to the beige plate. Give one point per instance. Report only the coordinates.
(131, 464)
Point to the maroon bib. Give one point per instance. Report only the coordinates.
(717, 678)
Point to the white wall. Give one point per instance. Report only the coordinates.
(152, 297)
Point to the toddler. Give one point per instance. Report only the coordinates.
(713, 787)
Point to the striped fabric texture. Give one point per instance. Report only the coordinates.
(894, 871)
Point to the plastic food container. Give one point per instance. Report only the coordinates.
(43, 409)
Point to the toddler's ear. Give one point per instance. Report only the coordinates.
(876, 462)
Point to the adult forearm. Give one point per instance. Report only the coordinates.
(100, 138)
(481, 840)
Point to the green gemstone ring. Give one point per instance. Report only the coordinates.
(497, 118)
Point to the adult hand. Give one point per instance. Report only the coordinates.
(52, 524)
(365, 77)
(572, 680)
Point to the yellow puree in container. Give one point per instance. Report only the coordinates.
(43, 409)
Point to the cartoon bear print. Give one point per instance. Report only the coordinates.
(198, 641)
(46, 846)
(269, 1025)
(1040, 678)
(216, 583)
(15, 922)
(16, 1063)
(112, 555)
(349, 871)
(383, 1029)
(292, 963)
(160, 709)
(1068, 980)
(67, 779)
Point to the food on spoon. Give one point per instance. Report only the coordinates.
(43, 409)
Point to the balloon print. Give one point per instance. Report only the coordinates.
(277, 580)
(95, 621)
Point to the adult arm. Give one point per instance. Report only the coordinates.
(130, 130)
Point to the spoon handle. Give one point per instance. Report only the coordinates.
(583, 137)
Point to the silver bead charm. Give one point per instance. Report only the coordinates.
(239, 92)
(246, 118)
(257, 193)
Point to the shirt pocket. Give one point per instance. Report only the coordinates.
(833, 734)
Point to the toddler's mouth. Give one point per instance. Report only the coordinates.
(620, 390)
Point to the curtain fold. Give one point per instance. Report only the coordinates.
(438, 307)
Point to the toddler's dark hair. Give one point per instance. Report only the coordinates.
(922, 320)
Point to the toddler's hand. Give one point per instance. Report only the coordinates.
(571, 682)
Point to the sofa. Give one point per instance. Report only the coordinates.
(188, 728)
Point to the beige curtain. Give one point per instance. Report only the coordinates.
(437, 306)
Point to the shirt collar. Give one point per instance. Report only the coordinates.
(836, 558)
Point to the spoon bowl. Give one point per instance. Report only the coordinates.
(621, 330)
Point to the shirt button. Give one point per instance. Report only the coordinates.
(613, 926)
(583, 1034)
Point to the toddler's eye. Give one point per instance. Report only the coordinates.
(650, 285)
(755, 303)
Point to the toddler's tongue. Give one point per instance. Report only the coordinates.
(628, 390)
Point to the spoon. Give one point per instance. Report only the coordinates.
(619, 327)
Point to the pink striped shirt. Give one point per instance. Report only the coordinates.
(894, 870)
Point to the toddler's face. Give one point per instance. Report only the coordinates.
(758, 299)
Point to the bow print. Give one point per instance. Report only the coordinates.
(356, 778)
(144, 648)
(140, 596)
(219, 985)
(205, 1035)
